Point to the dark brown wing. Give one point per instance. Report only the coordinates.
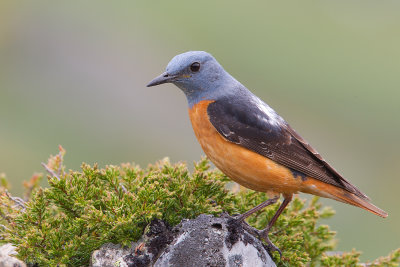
(264, 132)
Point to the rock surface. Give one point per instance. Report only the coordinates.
(6, 258)
(204, 241)
(108, 255)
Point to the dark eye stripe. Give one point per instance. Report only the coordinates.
(195, 67)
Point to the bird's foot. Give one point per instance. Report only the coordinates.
(239, 217)
(261, 234)
(270, 245)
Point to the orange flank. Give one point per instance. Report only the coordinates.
(244, 166)
(257, 172)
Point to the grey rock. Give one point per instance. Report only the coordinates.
(212, 241)
(108, 255)
(6, 257)
(204, 241)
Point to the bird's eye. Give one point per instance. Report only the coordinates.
(195, 67)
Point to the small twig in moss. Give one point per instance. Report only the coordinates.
(123, 188)
(4, 227)
(50, 171)
(17, 200)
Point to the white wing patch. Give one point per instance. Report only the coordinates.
(271, 116)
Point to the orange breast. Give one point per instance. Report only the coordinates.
(242, 165)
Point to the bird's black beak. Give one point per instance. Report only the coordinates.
(163, 78)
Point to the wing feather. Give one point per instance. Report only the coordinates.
(269, 135)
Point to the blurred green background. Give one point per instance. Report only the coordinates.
(74, 73)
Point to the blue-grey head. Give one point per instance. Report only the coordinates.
(198, 75)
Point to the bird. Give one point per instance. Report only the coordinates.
(250, 143)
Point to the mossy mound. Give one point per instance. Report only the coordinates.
(82, 210)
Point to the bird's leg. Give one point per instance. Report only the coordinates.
(265, 232)
(270, 201)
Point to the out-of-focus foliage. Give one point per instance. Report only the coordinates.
(81, 210)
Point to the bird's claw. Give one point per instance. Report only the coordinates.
(263, 234)
(239, 218)
(270, 245)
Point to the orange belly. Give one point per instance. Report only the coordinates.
(245, 167)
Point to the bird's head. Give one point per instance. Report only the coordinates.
(196, 73)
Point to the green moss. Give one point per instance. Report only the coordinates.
(81, 210)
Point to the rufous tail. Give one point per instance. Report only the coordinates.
(330, 191)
